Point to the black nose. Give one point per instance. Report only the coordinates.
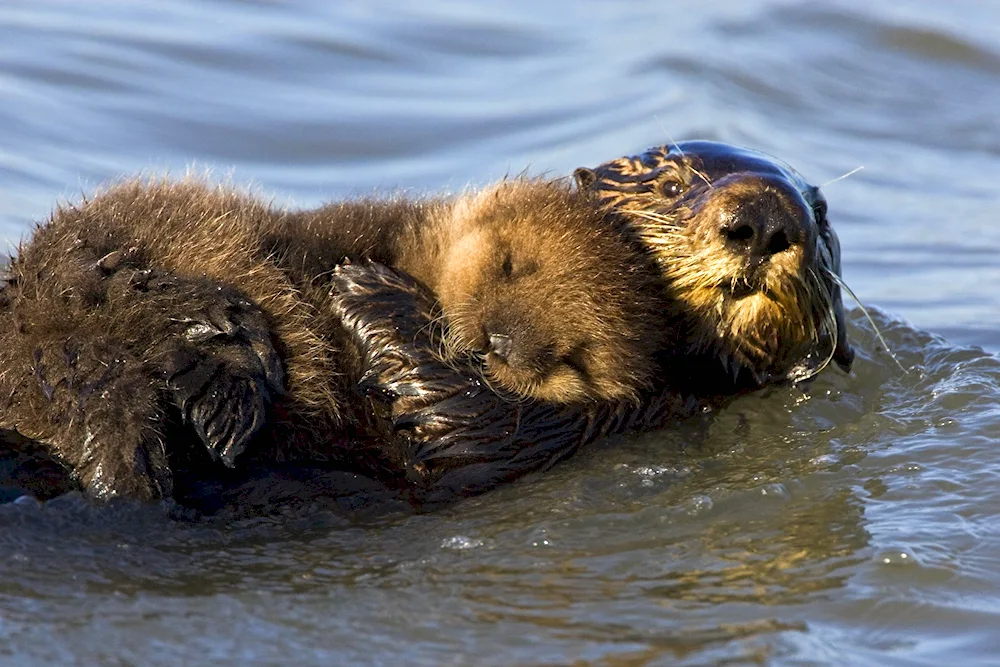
(762, 226)
(500, 345)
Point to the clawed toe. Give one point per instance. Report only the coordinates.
(227, 414)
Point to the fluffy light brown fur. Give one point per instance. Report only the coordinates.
(161, 304)
(542, 267)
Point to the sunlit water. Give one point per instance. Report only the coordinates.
(854, 522)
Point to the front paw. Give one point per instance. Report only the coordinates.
(390, 318)
(428, 403)
(222, 372)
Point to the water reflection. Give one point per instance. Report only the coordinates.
(703, 541)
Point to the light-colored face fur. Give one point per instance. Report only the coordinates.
(745, 248)
(560, 306)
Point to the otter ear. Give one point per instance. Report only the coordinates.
(584, 178)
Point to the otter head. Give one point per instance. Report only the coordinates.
(558, 305)
(745, 248)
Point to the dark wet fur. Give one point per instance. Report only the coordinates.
(746, 253)
(163, 314)
(458, 437)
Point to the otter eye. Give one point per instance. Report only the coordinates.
(672, 188)
(508, 266)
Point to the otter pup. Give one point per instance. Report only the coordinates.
(533, 277)
(746, 253)
(161, 308)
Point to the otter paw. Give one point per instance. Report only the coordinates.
(114, 445)
(390, 317)
(222, 372)
(119, 466)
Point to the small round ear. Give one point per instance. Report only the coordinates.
(584, 178)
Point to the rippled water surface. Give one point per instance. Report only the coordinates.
(852, 523)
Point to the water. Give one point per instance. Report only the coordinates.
(855, 523)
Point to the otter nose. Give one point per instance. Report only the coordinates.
(761, 227)
(501, 345)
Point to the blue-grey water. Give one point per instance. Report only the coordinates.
(852, 523)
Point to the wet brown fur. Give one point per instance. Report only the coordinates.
(114, 301)
(760, 317)
(117, 301)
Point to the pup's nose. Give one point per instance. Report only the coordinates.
(500, 345)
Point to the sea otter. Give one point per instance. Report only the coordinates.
(162, 307)
(746, 252)
(226, 319)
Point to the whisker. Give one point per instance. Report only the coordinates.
(660, 238)
(683, 155)
(840, 178)
(834, 332)
(864, 310)
(669, 138)
(831, 321)
(516, 396)
(703, 176)
(815, 287)
(655, 217)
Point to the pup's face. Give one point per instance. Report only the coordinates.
(558, 305)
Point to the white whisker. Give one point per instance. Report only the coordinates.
(669, 138)
(840, 178)
(864, 310)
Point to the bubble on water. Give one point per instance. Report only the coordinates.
(540, 538)
(699, 504)
(460, 543)
(774, 490)
(906, 468)
(802, 398)
(896, 557)
(648, 473)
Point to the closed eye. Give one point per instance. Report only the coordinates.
(576, 360)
